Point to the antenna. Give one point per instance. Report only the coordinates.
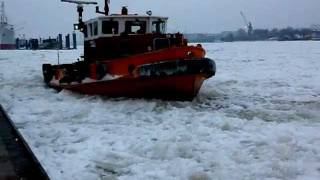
(80, 25)
(3, 17)
(58, 54)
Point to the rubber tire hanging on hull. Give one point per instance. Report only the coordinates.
(47, 72)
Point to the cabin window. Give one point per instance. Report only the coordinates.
(110, 27)
(159, 27)
(91, 29)
(85, 31)
(136, 27)
(95, 28)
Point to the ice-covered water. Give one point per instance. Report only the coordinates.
(259, 118)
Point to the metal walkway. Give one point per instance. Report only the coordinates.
(17, 161)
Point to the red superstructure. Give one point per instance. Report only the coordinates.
(132, 55)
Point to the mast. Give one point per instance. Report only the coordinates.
(106, 8)
(80, 25)
(3, 17)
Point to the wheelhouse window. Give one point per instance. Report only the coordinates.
(110, 27)
(95, 28)
(159, 27)
(91, 29)
(135, 27)
(85, 31)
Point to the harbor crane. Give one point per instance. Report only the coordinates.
(248, 24)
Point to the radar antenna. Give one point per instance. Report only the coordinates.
(80, 3)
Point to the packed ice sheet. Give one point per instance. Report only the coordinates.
(258, 118)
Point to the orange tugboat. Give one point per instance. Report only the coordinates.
(132, 55)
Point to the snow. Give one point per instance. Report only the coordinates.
(107, 77)
(257, 119)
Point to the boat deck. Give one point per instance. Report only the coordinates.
(16, 159)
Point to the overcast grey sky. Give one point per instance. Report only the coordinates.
(49, 17)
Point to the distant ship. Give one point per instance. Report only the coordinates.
(7, 40)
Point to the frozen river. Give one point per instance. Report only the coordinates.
(258, 118)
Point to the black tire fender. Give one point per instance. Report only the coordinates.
(47, 72)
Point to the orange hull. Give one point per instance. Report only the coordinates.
(173, 73)
(170, 87)
(120, 66)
